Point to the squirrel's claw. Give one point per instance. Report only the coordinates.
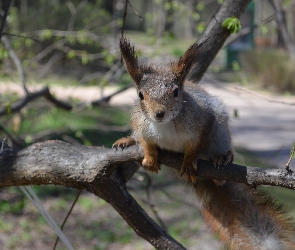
(124, 142)
(190, 173)
(221, 160)
(151, 164)
(229, 157)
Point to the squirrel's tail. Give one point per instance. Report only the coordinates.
(243, 219)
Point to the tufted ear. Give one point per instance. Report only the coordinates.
(131, 60)
(183, 66)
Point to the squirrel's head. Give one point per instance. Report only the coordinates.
(159, 88)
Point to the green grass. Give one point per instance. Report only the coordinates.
(91, 126)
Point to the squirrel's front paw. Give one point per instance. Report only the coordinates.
(151, 164)
(124, 142)
(222, 160)
(190, 170)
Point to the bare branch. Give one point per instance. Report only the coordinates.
(17, 106)
(56, 162)
(6, 5)
(265, 97)
(282, 28)
(104, 171)
(16, 61)
(66, 33)
(45, 92)
(94, 169)
(67, 216)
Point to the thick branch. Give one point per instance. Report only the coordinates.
(217, 35)
(60, 163)
(93, 169)
(103, 172)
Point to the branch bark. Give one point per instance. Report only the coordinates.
(104, 171)
(5, 6)
(98, 170)
(60, 163)
(217, 36)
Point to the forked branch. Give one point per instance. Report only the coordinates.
(104, 171)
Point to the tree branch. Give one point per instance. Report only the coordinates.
(217, 36)
(282, 28)
(45, 92)
(94, 169)
(6, 6)
(104, 172)
(16, 61)
(17, 106)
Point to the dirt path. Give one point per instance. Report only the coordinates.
(267, 129)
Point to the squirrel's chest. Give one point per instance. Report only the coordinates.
(166, 136)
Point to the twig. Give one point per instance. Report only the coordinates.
(292, 155)
(152, 205)
(45, 92)
(67, 216)
(66, 33)
(134, 10)
(124, 20)
(22, 36)
(16, 141)
(107, 98)
(4, 16)
(17, 62)
(17, 106)
(265, 97)
(2, 146)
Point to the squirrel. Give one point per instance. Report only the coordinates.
(175, 114)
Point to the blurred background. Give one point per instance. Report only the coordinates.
(65, 54)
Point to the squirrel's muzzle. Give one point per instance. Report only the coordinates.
(160, 114)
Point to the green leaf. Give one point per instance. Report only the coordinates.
(71, 54)
(200, 6)
(264, 29)
(84, 58)
(28, 42)
(8, 109)
(232, 24)
(201, 27)
(28, 139)
(46, 34)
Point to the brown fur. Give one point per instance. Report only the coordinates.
(177, 115)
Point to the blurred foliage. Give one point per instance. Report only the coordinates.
(76, 29)
(271, 68)
(90, 126)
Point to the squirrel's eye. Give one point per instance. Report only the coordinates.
(140, 94)
(175, 92)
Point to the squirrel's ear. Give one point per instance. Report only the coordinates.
(183, 66)
(131, 60)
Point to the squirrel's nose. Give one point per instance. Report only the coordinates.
(160, 114)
